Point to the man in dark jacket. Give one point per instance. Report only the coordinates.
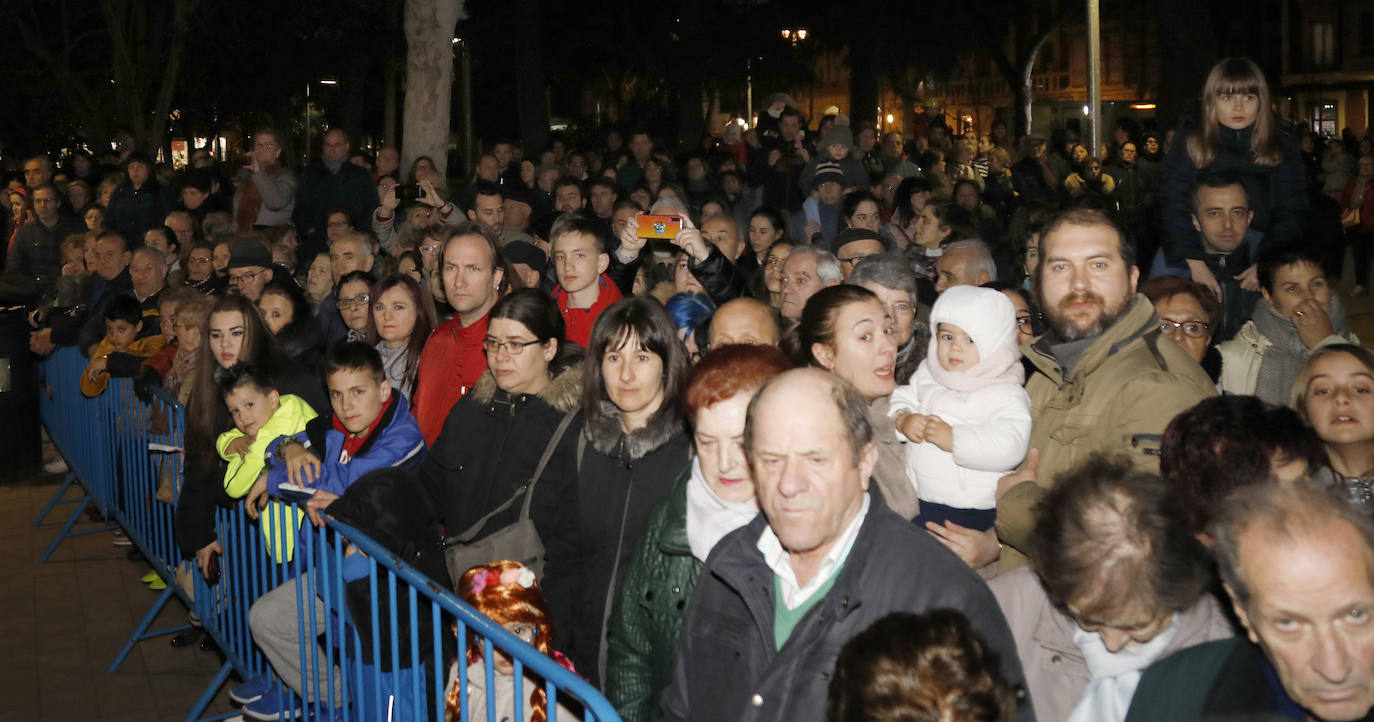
(84, 326)
(778, 598)
(1297, 563)
(34, 260)
(777, 167)
(328, 184)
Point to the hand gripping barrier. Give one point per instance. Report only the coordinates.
(364, 635)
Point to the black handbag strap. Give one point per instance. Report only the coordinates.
(526, 489)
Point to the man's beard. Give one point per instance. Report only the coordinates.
(1066, 327)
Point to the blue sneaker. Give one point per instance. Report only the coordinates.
(251, 690)
(275, 705)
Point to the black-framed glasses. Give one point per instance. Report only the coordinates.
(347, 303)
(1191, 329)
(1024, 322)
(514, 348)
(246, 276)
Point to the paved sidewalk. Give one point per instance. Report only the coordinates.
(62, 623)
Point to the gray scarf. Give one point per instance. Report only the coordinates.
(1286, 352)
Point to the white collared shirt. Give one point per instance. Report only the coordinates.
(775, 556)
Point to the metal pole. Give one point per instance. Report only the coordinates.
(468, 146)
(1094, 77)
(307, 122)
(749, 90)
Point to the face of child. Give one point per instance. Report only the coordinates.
(250, 408)
(577, 261)
(121, 333)
(357, 398)
(955, 349)
(838, 151)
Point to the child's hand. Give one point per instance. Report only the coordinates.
(913, 426)
(939, 433)
(256, 498)
(96, 368)
(302, 467)
(239, 446)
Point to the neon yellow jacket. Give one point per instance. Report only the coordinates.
(290, 418)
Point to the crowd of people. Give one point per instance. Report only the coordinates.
(794, 425)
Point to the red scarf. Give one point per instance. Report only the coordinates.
(353, 442)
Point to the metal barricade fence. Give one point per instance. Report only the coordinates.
(121, 450)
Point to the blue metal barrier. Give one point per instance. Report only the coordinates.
(121, 449)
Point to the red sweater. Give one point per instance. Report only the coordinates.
(579, 320)
(451, 363)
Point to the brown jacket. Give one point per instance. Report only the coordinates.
(898, 490)
(1056, 674)
(1126, 387)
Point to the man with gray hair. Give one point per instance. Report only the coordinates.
(1297, 562)
(779, 597)
(964, 263)
(807, 270)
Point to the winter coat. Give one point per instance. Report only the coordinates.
(86, 327)
(133, 211)
(1125, 388)
(1055, 671)
(1228, 679)
(729, 666)
(620, 479)
(450, 364)
(991, 427)
(321, 191)
(139, 349)
(489, 448)
(1278, 194)
(34, 262)
(642, 634)
(1242, 356)
(890, 471)
(290, 418)
(723, 280)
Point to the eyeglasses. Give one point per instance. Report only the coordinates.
(899, 309)
(773, 261)
(430, 248)
(1023, 322)
(199, 259)
(1191, 329)
(514, 348)
(347, 303)
(247, 276)
(854, 259)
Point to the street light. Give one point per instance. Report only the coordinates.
(794, 34)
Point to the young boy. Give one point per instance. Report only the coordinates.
(578, 250)
(123, 322)
(370, 428)
(261, 416)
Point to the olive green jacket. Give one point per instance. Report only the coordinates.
(1126, 387)
(644, 626)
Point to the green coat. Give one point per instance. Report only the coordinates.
(644, 626)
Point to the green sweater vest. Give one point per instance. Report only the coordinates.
(785, 620)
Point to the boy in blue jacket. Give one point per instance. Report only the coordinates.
(370, 428)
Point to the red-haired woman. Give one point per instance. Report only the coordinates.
(713, 496)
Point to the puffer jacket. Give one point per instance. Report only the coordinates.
(489, 447)
(1126, 387)
(641, 637)
(620, 479)
(1055, 670)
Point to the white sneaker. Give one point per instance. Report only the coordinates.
(56, 466)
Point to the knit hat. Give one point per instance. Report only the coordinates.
(988, 318)
(837, 135)
(827, 172)
(524, 252)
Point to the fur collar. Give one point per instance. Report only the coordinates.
(563, 393)
(602, 428)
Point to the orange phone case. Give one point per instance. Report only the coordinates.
(665, 227)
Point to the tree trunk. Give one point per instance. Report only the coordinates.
(531, 100)
(429, 26)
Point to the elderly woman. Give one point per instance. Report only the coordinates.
(1190, 315)
(848, 331)
(711, 497)
(894, 283)
(1332, 394)
(634, 445)
(1119, 581)
(1297, 315)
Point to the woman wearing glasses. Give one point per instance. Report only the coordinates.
(1189, 315)
(495, 435)
(355, 306)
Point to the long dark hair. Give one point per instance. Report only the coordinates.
(644, 322)
(301, 315)
(206, 415)
(817, 323)
(424, 316)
